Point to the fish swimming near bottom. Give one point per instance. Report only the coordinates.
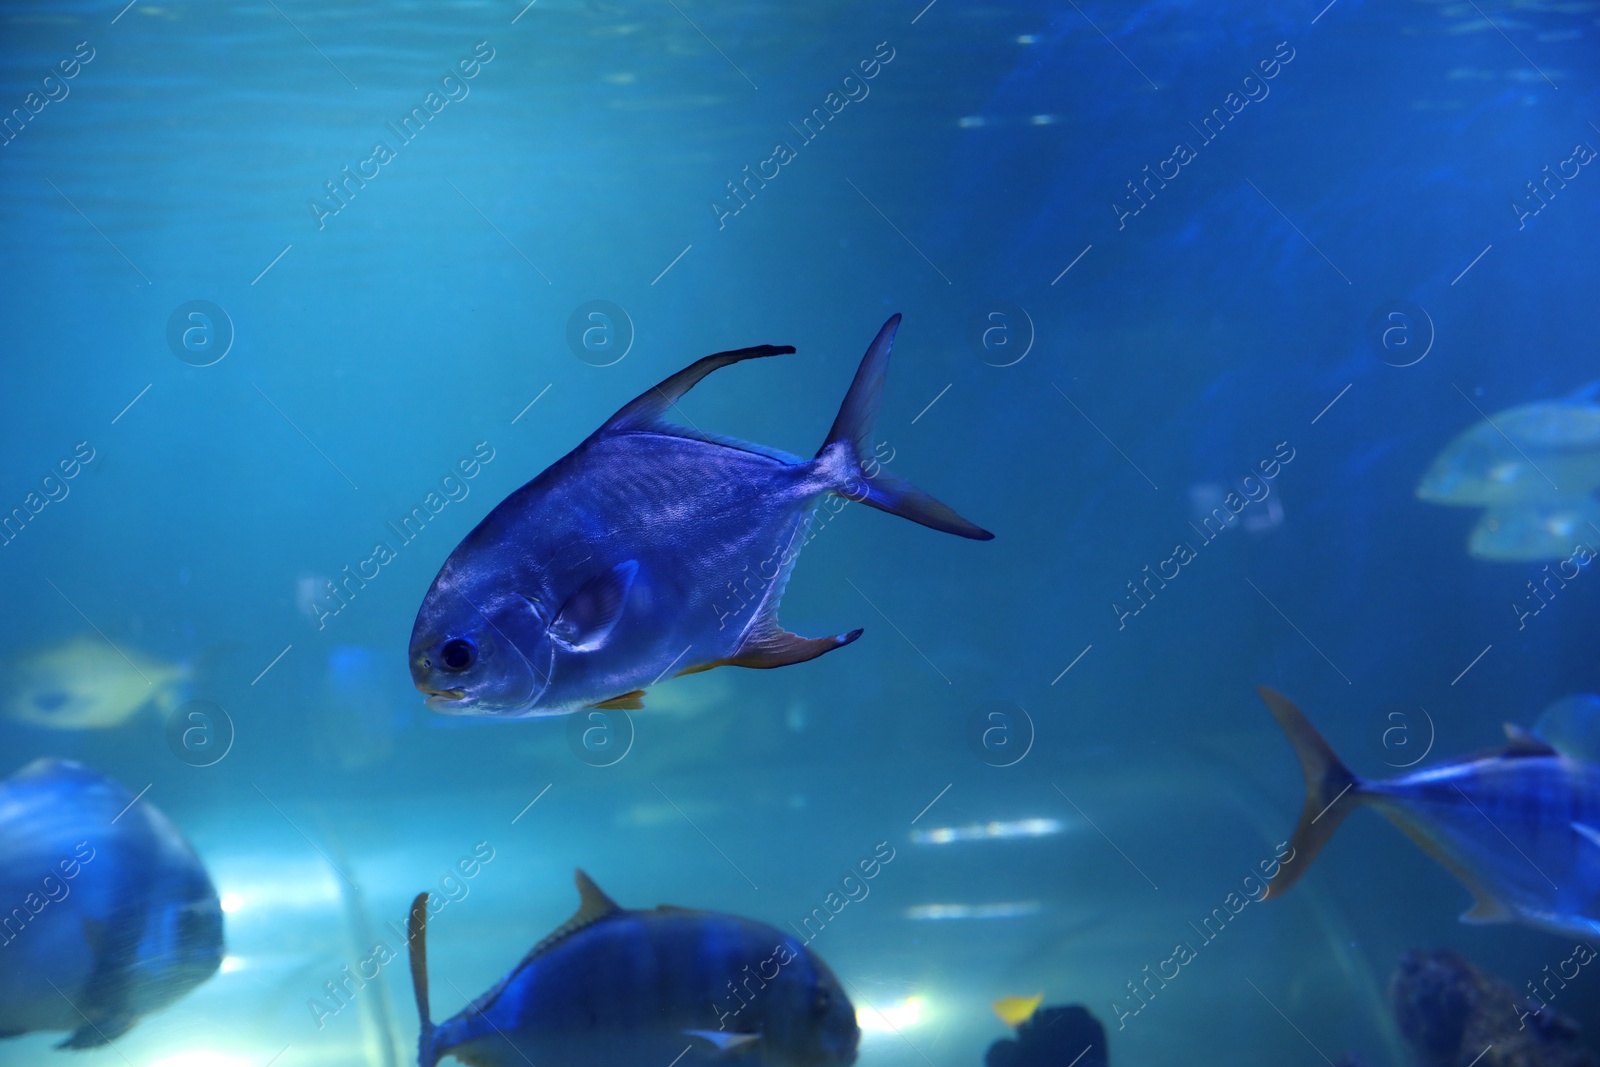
(620, 988)
(111, 914)
(1520, 828)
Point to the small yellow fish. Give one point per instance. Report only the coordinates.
(1014, 1011)
(84, 683)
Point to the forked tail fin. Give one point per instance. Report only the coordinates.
(852, 428)
(417, 938)
(1332, 792)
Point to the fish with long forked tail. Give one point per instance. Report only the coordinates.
(1520, 828)
(620, 988)
(613, 568)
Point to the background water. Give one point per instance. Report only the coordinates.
(1174, 351)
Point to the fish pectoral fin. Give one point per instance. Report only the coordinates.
(588, 616)
(633, 700)
(99, 1032)
(1486, 909)
(725, 1041)
(771, 646)
(1589, 833)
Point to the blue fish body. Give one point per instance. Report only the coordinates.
(1519, 828)
(618, 988)
(651, 549)
(112, 914)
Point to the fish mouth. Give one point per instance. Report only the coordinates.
(443, 699)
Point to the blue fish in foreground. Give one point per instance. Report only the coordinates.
(618, 988)
(650, 548)
(1520, 828)
(110, 914)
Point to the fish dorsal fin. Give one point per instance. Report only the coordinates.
(769, 645)
(633, 700)
(1520, 742)
(593, 905)
(588, 616)
(647, 410)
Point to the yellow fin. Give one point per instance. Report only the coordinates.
(1014, 1011)
(629, 701)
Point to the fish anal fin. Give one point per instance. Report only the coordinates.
(633, 700)
(769, 645)
(725, 1040)
(1520, 742)
(1486, 909)
(646, 410)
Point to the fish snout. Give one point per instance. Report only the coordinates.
(446, 700)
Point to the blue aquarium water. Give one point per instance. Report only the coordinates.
(1260, 336)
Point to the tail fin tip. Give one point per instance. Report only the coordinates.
(853, 428)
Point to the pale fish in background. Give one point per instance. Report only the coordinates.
(1520, 828)
(1537, 451)
(1536, 531)
(619, 988)
(83, 683)
(1572, 725)
(111, 915)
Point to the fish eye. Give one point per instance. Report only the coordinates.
(821, 1002)
(458, 654)
(53, 700)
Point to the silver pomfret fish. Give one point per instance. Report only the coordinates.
(1519, 828)
(649, 549)
(1527, 453)
(619, 988)
(101, 921)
